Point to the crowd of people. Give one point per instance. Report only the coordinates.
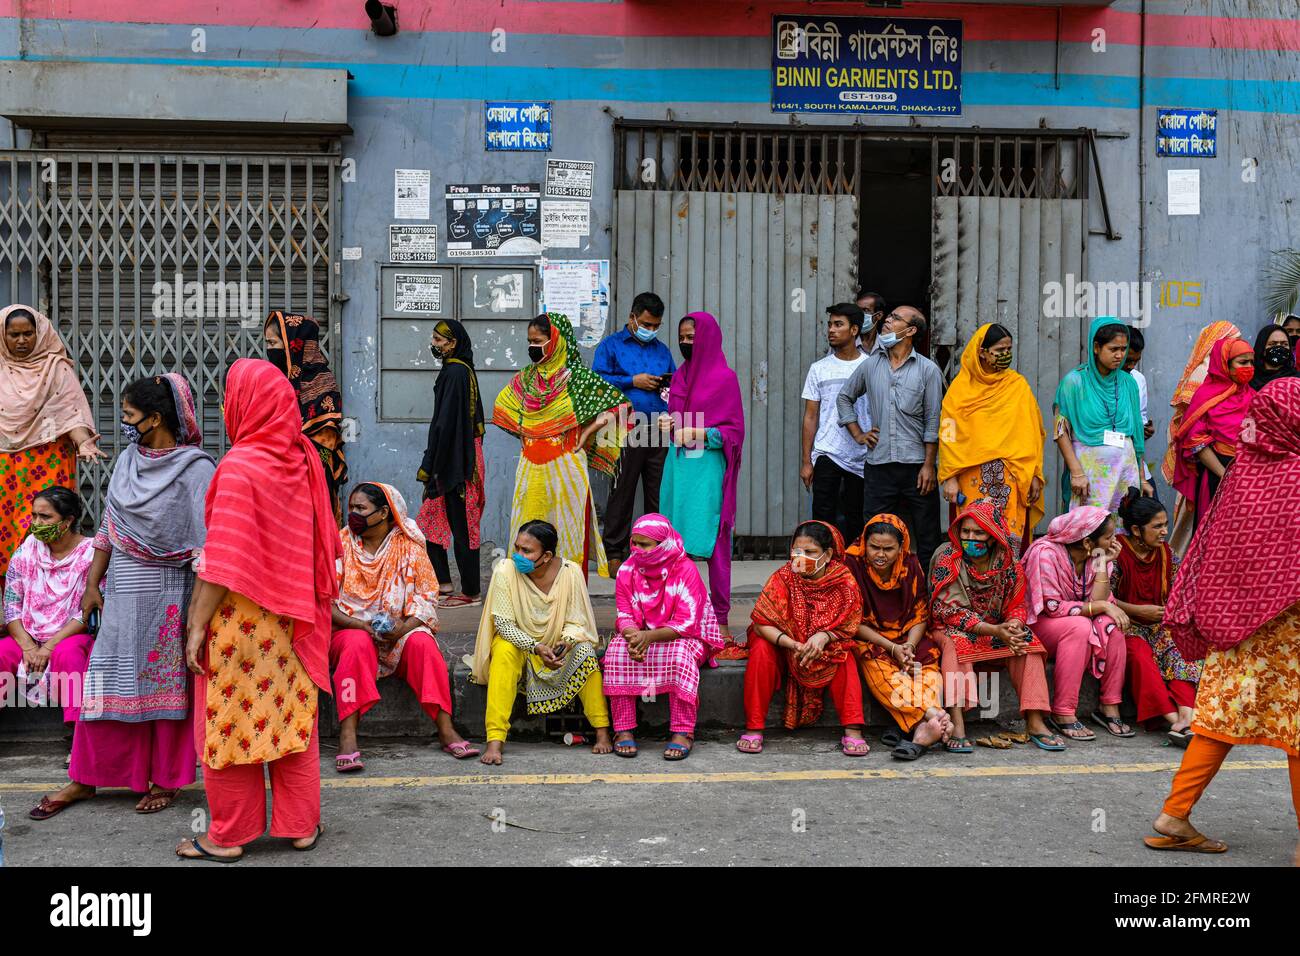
(217, 600)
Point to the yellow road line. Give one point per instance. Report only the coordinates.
(507, 779)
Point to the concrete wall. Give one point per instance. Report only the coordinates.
(417, 101)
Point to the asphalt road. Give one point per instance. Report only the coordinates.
(800, 802)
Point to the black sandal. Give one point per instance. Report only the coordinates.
(203, 854)
(891, 738)
(908, 750)
(320, 830)
(1111, 724)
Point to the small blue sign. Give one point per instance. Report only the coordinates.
(519, 127)
(1187, 133)
(866, 65)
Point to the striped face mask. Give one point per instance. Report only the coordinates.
(1002, 360)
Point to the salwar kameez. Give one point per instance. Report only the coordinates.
(551, 485)
(354, 664)
(690, 496)
(67, 668)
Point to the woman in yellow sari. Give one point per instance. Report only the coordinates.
(560, 411)
(991, 437)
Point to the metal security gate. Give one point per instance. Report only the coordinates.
(759, 225)
(153, 262)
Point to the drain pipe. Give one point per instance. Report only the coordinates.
(1142, 145)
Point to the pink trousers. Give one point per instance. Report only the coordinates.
(1067, 640)
(111, 753)
(237, 795)
(681, 715)
(354, 663)
(67, 666)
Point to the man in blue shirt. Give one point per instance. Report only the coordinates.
(636, 362)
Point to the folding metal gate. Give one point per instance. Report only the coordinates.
(152, 262)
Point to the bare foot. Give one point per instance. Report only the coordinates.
(1172, 826)
(604, 741)
(303, 843)
(186, 849)
(928, 732)
(492, 753)
(73, 792)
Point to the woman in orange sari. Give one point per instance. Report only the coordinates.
(803, 629)
(45, 421)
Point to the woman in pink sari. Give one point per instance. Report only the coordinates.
(666, 630)
(1207, 436)
(1072, 611)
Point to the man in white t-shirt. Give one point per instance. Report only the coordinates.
(1136, 345)
(831, 465)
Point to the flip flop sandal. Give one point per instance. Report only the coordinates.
(349, 763)
(1180, 738)
(1111, 724)
(460, 600)
(854, 747)
(624, 745)
(1197, 844)
(994, 743)
(1047, 742)
(205, 855)
(891, 738)
(461, 750)
(320, 831)
(167, 796)
(959, 745)
(1013, 737)
(48, 808)
(908, 750)
(755, 742)
(1061, 729)
(675, 751)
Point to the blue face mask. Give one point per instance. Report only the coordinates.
(645, 335)
(975, 549)
(523, 563)
(888, 339)
(131, 434)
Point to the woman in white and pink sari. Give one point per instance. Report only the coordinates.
(666, 629)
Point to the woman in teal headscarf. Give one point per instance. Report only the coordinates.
(1099, 423)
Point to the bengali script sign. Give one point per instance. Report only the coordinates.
(866, 65)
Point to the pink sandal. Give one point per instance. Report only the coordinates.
(750, 744)
(461, 749)
(854, 747)
(349, 763)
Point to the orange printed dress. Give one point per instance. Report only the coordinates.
(261, 705)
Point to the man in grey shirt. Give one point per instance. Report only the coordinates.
(905, 390)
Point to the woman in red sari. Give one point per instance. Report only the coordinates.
(803, 628)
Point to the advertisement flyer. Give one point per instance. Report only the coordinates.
(493, 219)
(579, 289)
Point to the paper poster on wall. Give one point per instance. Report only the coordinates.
(410, 194)
(1184, 192)
(517, 126)
(579, 289)
(493, 219)
(565, 223)
(417, 293)
(412, 245)
(569, 178)
(499, 293)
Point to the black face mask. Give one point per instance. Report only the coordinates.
(278, 358)
(687, 348)
(1277, 354)
(536, 353)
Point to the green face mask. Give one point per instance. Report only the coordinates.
(48, 533)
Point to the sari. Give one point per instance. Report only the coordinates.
(397, 579)
(1148, 581)
(992, 442)
(453, 452)
(1088, 405)
(801, 607)
(320, 403)
(546, 405)
(653, 589)
(1229, 604)
(41, 401)
(1213, 420)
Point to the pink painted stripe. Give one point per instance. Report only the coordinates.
(670, 18)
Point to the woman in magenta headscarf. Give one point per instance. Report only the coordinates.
(1207, 437)
(1072, 611)
(665, 630)
(706, 424)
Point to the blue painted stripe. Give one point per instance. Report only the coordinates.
(449, 82)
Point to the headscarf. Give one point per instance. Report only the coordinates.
(949, 568)
(1240, 570)
(801, 607)
(450, 459)
(706, 389)
(558, 394)
(320, 403)
(1047, 564)
(665, 586)
(154, 501)
(1263, 375)
(270, 525)
(1095, 403)
(40, 397)
(1214, 415)
(896, 603)
(1144, 580)
(1194, 372)
(397, 579)
(989, 416)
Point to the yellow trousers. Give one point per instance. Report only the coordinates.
(503, 686)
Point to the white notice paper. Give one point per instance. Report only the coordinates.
(417, 293)
(579, 288)
(410, 194)
(1184, 192)
(565, 223)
